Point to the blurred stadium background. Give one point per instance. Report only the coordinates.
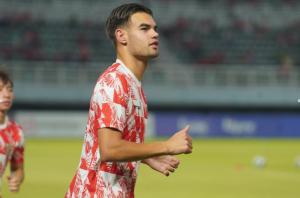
(230, 68)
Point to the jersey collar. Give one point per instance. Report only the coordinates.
(128, 71)
(4, 125)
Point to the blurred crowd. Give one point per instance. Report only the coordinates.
(25, 38)
(192, 40)
(242, 37)
(201, 42)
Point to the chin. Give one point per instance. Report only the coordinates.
(154, 55)
(5, 107)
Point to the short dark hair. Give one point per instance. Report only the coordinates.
(120, 16)
(4, 77)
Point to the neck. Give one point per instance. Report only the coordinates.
(136, 65)
(2, 117)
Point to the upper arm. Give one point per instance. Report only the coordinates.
(108, 138)
(16, 166)
(17, 159)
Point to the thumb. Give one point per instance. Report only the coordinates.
(186, 129)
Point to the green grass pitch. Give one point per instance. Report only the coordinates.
(217, 168)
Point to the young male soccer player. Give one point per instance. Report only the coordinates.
(11, 137)
(114, 139)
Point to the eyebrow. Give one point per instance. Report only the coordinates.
(147, 25)
(8, 84)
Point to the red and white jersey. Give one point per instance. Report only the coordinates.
(117, 102)
(11, 144)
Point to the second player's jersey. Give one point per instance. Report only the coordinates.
(118, 102)
(11, 144)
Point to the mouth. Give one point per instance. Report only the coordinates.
(6, 102)
(155, 44)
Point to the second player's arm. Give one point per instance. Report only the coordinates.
(16, 177)
(114, 148)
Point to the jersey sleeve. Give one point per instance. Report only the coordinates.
(18, 153)
(111, 96)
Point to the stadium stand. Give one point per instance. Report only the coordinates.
(233, 44)
(232, 32)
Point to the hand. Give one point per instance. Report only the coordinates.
(14, 182)
(180, 142)
(164, 164)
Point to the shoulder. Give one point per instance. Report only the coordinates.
(15, 126)
(16, 131)
(113, 77)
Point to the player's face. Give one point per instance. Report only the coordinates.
(6, 96)
(142, 40)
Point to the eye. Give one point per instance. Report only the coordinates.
(9, 88)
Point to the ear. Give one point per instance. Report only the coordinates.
(121, 36)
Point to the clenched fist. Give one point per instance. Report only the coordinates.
(180, 142)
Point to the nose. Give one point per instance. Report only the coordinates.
(6, 93)
(155, 34)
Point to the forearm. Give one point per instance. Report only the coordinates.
(129, 151)
(17, 171)
(15, 179)
(114, 148)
